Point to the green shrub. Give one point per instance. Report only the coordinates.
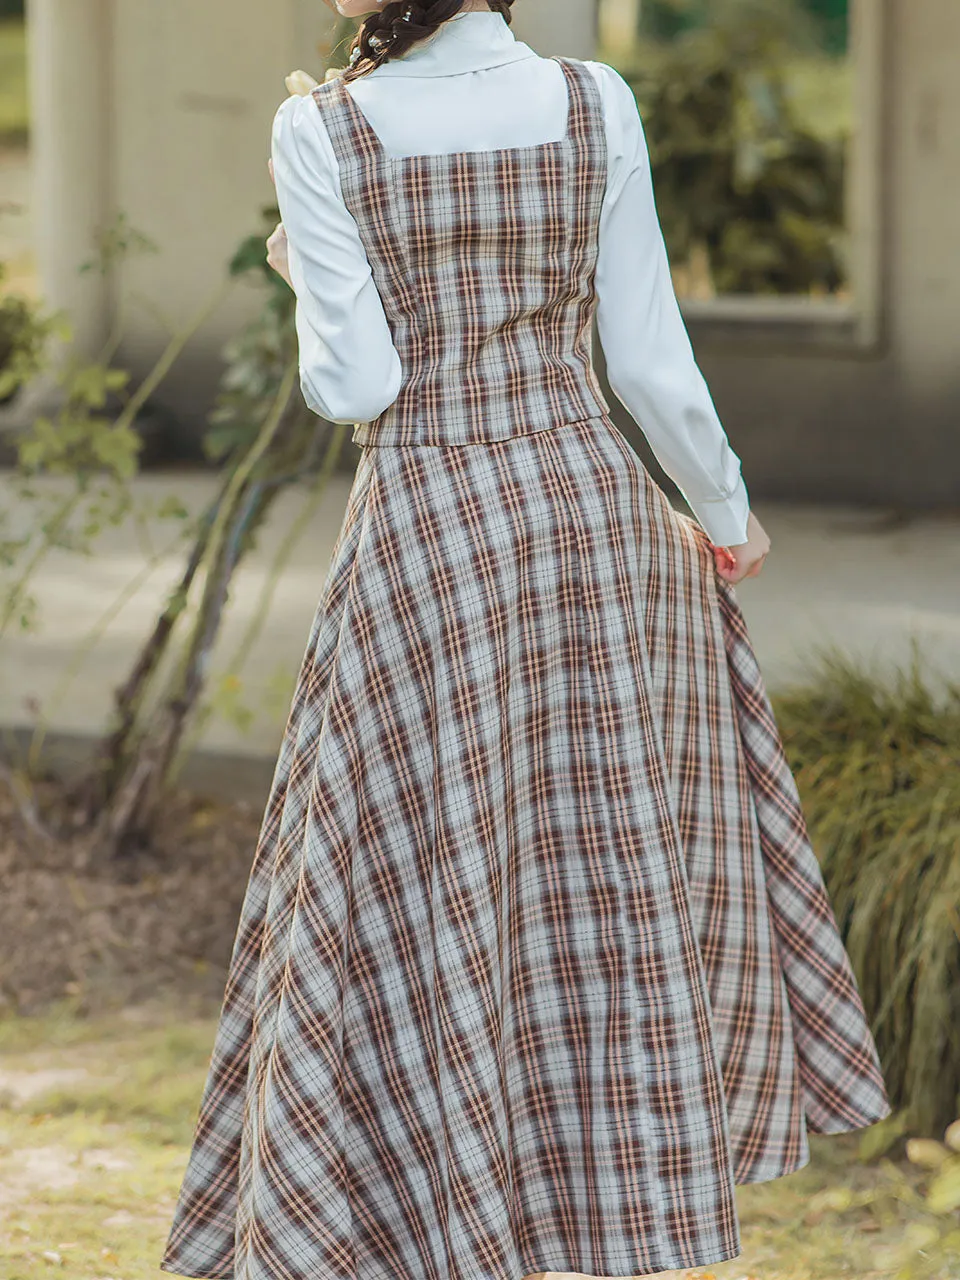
(25, 329)
(878, 768)
(738, 172)
(14, 110)
(666, 19)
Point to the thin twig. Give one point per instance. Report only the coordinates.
(163, 366)
(261, 609)
(43, 549)
(26, 806)
(83, 650)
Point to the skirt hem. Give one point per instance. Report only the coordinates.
(562, 1267)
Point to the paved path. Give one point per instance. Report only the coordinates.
(834, 576)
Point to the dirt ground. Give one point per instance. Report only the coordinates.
(97, 1116)
(163, 920)
(110, 989)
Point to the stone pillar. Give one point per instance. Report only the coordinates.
(923, 270)
(558, 26)
(69, 43)
(619, 22)
(197, 86)
(314, 29)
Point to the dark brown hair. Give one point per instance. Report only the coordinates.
(399, 25)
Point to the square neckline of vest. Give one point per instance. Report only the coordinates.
(432, 156)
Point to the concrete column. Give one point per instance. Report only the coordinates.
(198, 86)
(70, 104)
(924, 265)
(925, 148)
(619, 22)
(558, 26)
(313, 30)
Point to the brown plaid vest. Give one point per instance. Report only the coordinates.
(485, 262)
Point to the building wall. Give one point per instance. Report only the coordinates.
(198, 85)
(879, 425)
(183, 154)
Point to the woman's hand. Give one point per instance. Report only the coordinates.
(744, 559)
(278, 253)
(277, 247)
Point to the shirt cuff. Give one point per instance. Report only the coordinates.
(725, 519)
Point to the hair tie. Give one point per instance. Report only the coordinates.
(408, 23)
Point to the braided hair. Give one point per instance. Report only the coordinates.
(399, 25)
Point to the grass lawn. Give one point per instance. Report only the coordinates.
(96, 1119)
(14, 113)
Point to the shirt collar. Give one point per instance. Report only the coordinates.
(469, 41)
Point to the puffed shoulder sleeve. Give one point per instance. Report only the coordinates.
(649, 358)
(349, 367)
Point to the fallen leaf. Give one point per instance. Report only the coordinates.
(926, 1152)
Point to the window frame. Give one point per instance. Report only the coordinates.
(812, 324)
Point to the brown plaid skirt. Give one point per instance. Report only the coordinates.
(535, 962)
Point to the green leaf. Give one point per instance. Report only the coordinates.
(879, 1138)
(171, 508)
(944, 1193)
(251, 255)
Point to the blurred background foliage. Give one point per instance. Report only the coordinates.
(748, 111)
(877, 764)
(262, 437)
(666, 19)
(14, 129)
(748, 115)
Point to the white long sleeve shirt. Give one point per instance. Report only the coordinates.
(474, 86)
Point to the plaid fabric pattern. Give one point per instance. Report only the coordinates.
(485, 262)
(535, 962)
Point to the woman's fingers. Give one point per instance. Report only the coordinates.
(733, 574)
(277, 248)
(270, 167)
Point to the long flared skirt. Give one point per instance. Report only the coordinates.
(535, 962)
